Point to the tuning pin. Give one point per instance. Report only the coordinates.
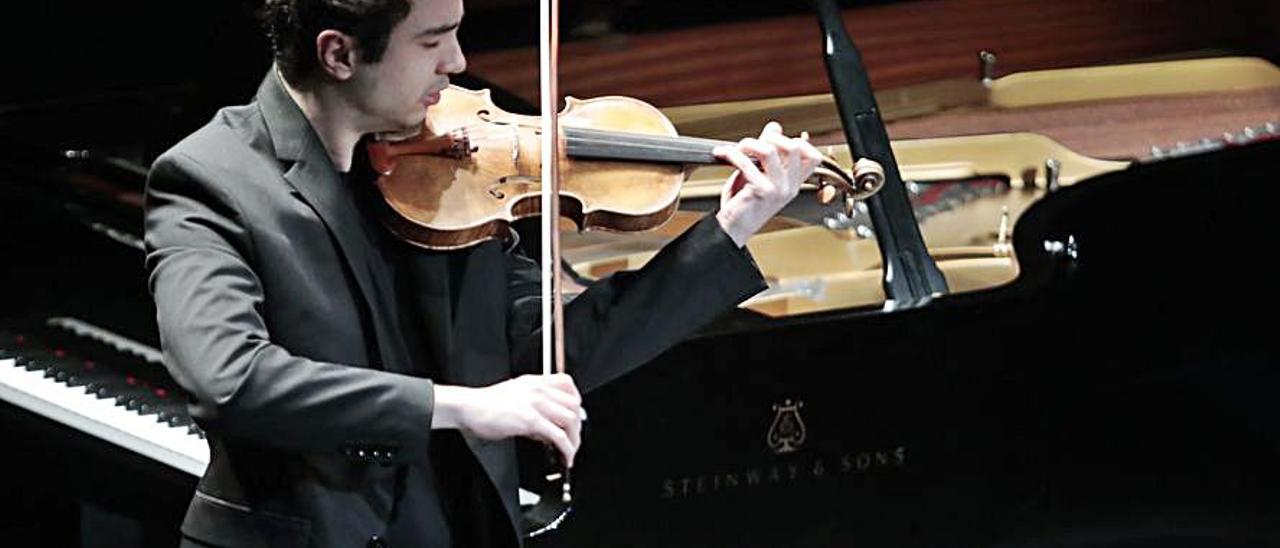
(837, 221)
(986, 67)
(1249, 134)
(1002, 247)
(1052, 172)
(1271, 128)
(1156, 152)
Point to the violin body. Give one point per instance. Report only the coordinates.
(475, 168)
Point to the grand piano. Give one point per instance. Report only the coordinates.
(1106, 379)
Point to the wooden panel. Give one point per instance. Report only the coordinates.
(904, 43)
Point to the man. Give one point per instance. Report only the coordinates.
(359, 391)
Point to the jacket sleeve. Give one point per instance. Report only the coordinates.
(216, 344)
(627, 319)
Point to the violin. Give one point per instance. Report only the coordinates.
(474, 168)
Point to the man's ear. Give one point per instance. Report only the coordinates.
(337, 54)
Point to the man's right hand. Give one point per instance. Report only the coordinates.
(546, 408)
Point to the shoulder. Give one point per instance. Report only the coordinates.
(234, 136)
(224, 159)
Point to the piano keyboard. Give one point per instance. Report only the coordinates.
(110, 387)
(103, 385)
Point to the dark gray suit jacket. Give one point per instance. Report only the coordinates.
(309, 340)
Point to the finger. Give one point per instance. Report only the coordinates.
(746, 166)
(788, 150)
(558, 382)
(787, 145)
(562, 398)
(768, 156)
(569, 402)
(812, 153)
(563, 416)
(548, 432)
(565, 383)
(575, 431)
(772, 127)
(567, 419)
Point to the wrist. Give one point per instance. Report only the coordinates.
(449, 404)
(732, 226)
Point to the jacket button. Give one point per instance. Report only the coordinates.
(376, 541)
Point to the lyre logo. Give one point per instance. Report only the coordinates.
(787, 432)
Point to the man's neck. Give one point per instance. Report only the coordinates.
(323, 108)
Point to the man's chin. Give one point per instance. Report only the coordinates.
(405, 128)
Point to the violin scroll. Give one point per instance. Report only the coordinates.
(866, 179)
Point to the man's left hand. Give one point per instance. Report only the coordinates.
(768, 176)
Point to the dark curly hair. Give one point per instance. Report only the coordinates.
(292, 27)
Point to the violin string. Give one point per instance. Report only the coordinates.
(489, 133)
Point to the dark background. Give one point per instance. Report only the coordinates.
(76, 48)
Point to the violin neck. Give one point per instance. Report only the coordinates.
(599, 144)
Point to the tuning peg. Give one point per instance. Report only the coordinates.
(826, 194)
(869, 175)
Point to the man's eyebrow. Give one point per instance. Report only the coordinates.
(437, 31)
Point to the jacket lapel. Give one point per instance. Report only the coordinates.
(318, 184)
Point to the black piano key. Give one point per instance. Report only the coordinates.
(169, 409)
(34, 361)
(147, 408)
(104, 372)
(101, 390)
(80, 379)
(175, 415)
(130, 398)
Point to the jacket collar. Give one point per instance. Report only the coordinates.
(317, 183)
(291, 133)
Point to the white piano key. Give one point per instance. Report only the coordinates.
(102, 418)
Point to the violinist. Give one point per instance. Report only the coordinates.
(360, 391)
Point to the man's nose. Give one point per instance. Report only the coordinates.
(457, 62)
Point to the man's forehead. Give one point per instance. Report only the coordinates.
(434, 17)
